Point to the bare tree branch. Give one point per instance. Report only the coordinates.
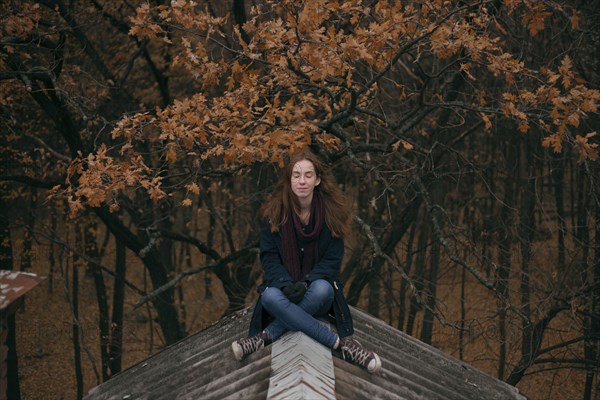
(192, 271)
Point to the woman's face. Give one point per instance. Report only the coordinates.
(304, 180)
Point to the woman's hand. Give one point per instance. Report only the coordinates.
(295, 293)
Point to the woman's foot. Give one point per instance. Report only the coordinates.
(248, 345)
(353, 351)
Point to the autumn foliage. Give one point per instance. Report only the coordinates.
(306, 71)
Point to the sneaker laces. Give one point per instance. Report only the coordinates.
(251, 344)
(352, 349)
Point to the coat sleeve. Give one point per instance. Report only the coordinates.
(276, 274)
(328, 267)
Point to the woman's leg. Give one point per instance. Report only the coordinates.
(289, 316)
(318, 298)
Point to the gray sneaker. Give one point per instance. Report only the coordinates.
(353, 351)
(244, 346)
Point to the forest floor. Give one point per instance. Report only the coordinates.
(45, 332)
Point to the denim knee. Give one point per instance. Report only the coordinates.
(321, 289)
(270, 297)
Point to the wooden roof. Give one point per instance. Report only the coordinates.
(13, 286)
(301, 368)
(202, 366)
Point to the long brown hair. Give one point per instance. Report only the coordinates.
(283, 200)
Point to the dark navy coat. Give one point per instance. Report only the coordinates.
(331, 253)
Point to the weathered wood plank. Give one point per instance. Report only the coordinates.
(301, 369)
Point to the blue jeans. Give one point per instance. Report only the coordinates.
(300, 317)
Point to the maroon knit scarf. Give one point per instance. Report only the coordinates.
(292, 235)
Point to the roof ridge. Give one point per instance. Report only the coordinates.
(301, 368)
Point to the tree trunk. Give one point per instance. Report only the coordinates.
(419, 278)
(209, 242)
(116, 337)
(6, 253)
(558, 180)
(51, 252)
(373, 303)
(235, 276)
(236, 281)
(463, 314)
(399, 227)
(374, 267)
(537, 334)
(529, 345)
(505, 241)
(437, 198)
(592, 320)
(164, 303)
(91, 251)
(13, 390)
(26, 253)
(75, 318)
(428, 317)
(180, 263)
(239, 15)
(402, 311)
(531, 333)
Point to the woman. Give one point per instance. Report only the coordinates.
(301, 250)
